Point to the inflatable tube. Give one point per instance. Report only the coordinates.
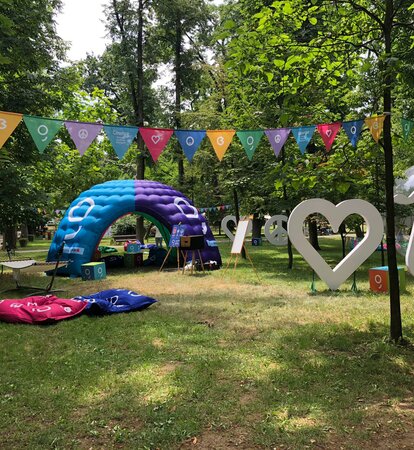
(95, 210)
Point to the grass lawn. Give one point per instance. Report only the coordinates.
(220, 362)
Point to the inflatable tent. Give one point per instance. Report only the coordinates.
(95, 210)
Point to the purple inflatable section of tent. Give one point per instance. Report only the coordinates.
(171, 207)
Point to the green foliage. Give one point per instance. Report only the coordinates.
(125, 225)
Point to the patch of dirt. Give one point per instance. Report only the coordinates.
(236, 438)
(168, 368)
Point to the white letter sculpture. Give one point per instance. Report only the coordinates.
(336, 215)
(401, 199)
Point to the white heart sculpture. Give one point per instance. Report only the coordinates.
(225, 228)
(336, 215)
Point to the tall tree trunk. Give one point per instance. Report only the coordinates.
(313, 233)
(178, 82)
(10, 237)
(257, 226)
(136, 91)
(342, 232)
(139, 110)
(394, 288)
(285, 198)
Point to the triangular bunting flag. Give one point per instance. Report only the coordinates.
(407, 126)
(83, 133)
(353, 130)
(42, 130)
(121, 137)
(328, 132)
(375, 125)
(156, 139)
(250, 140)
(8, 123)
(303, 135)
(277, 138)
(190, 140)
(220, 140)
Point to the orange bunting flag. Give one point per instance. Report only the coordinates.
(220, 140)
(8, 123)
(375, 125)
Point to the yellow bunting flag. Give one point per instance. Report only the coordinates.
(220, 140)
(8, 123)
(375, 125)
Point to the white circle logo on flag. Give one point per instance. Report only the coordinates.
(43, 130)
(250, 140)
(353, 129)
(189, 141)
(278, 138)
(83, 133)
(220, 140)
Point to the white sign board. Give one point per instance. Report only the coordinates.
(241, 232)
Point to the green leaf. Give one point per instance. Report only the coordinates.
(313, 20)
(229, 24)
(270, 76)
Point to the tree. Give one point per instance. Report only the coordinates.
(31, 81)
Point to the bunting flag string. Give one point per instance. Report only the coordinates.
(8, 123)
(220, 140)
(303, 136)
(375, 125)
(277, 138)
(43, 130)
(250, 140)
(83, 133)
(156, 139)
(190, 140)
(353, 130)
(121, 137)
(407, 126)
(215, 208)
(328, 132)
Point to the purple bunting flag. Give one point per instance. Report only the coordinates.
(83, 133)
(277, 138)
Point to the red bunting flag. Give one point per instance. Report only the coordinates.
(328, 132)
(156, 139)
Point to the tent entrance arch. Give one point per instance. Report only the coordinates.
(91, 214)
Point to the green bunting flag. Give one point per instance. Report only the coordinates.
(42, 130)
(250, 139)
(407, 126)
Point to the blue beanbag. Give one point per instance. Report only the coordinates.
(115, 301)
